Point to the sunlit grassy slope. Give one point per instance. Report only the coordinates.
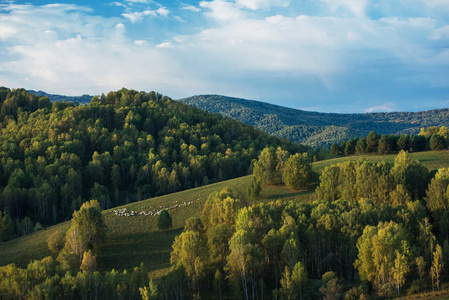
(136, 239)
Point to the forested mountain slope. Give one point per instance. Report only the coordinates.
(83, 99)
(122, 147)
(314, 128)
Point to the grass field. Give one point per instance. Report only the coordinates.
(136, 239)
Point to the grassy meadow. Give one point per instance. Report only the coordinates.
(135, 239)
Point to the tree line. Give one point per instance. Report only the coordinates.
(431, 138)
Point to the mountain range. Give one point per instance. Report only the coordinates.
(84, 99)
(314, 128)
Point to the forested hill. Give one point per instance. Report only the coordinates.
(314, 128)
(84, 99)
(121, 147)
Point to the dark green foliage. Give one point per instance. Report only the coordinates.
(371, 142)
(6, 226)
(403, 142)
(350, 147)
(384, 145)
(360, 147)
(437, 142)
(334, 150)
(317, 129)
(164, 220)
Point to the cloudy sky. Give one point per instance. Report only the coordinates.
(321, 55)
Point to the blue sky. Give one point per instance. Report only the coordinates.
(321, 55)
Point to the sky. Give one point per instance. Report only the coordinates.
(345, 56)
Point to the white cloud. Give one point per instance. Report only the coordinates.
(139, 1)
(440, 33)
(162, 11)
(222, 10)
(179, 19)
(68, 49)
(139, 16)
(386, 107)
(191, 8)
(140, 42)
(261, 4)
(88, 53)
(117, 4)
(357, 7)
(165, 45)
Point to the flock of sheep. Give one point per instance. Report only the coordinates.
(123, 212)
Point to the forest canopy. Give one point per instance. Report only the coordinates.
(121, 147)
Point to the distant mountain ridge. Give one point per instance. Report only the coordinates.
(84, 99)
(315, 128)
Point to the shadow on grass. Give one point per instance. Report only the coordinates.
(151, 248)
(286, 193)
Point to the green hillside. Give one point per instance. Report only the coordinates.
(135, 239)
(120, 148)
(314, 128)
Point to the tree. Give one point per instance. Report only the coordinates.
(334, 150)
(371, 142)
(378, 261)
(189, 249)
(349, 147)
(437, 194)
(287, 285)
(299, 277)
(149, 293)
(265, 168)
(89, 263)
(254, 188)
(88, 229)
(401, 265)
(384, 145)
(437, 142)
(297, 171)
(164, 221)
(56, 241)
(6, 226)
(360, 147)
(421, 265)
(437, 266)
(243, 260)
(330, 289)
(403, 142)
(329, 183)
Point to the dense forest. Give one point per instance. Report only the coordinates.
(122, 147)
(317, 129)
(373, 229)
